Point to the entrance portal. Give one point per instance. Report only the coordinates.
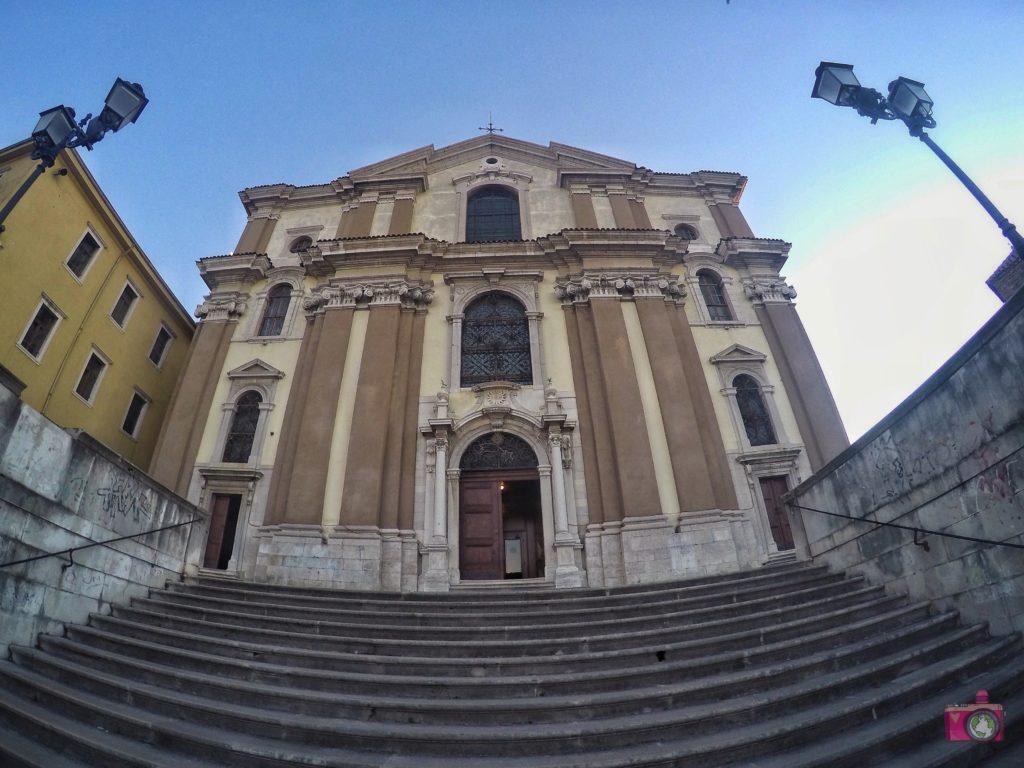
(223, 519)
(500, 530)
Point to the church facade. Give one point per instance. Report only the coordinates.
(497, 360)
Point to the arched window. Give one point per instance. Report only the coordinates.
(713, 291)
(300, 244)
(243, 428)
(756, 422)
(492, 213)
(495, 341)
(685, 232)
(499, 450)
(276, 310)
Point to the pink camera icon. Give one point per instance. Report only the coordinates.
(980, 721)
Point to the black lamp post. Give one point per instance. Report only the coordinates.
(907, 101)
(57, 130)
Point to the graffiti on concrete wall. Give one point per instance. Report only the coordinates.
(125, 497)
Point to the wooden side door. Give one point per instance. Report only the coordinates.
(218, 524)
(772, 490)
(480, 532)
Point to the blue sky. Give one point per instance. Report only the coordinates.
(889, 254)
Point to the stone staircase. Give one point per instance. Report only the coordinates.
(784, 667)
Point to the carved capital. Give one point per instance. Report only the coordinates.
(441, 444)
(769, 291)
(582, 288)
(378, 293)
(223, 306)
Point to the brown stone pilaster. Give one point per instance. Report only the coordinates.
(816, 414)
(308, 481)
(583, 210)
(255, 236)
(640, 217)
(622, 212)
(401, 217)
(630, 439)
(396, 424)
(607, 470)
(356, 222)
(178, 443)
(291, 428)
(730, 220)
(692, 475)
(364, 473)
(595, 505)
(406, 499)
(704, 410)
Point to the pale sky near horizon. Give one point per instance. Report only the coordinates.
(889, 255)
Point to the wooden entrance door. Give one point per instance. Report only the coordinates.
(772, 490)
(480, 532)
(223, 519)
(499, 528)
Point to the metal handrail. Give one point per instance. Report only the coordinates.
(916, 529)
(71, 551)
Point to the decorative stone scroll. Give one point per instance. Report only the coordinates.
(769, 291)
(224, 306)
(374, 293)
(582, 288)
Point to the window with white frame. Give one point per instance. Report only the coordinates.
(91, 376)
(124, 304)
(82, 257)
(158, 351)
(39, 332)
(132, 423)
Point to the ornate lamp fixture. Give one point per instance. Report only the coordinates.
(57, 130)
(907, 101)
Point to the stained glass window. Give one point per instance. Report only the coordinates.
(714, 295)
(495, 341)
(243, 428)
(492, 213)
(756, 422)
(277, 309)
(499, 450)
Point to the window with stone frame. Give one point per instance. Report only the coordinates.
(89, 381)
(492, 214)
(300, 244)
(244, 420)
(39, 331)
(124, 305)
(495, 341)
(78, 262)
(753, 411)
(276, 310)
(686, 232)
(713, 293)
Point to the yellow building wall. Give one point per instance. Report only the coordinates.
(41, 233)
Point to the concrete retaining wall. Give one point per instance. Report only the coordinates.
(59, 490)
(950, 458)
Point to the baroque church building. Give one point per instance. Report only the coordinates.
(497, 360)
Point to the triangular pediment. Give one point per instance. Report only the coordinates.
(428, 159)
(738, 353)
(255, 369)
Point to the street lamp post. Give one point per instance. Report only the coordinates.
(57, 130)
(909, 102)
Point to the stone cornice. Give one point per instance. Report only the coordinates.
(761, 255)
(370, 293)
(237, 269)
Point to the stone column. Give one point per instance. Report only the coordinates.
(537, 361)
(567, 573)
(455, 352)
(440, 532)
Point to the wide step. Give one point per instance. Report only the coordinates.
(784, 662)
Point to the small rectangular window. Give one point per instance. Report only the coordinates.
(133, 418)
(79, 261)
(163, 340)
(39, 330)
(124, 304)
(90, 378)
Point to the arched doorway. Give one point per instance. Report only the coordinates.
(500, 531)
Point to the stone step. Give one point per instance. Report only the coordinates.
(426, 615)
(643, 739)
(860, 663)
(323, 653)
(501, 625)
(503, 600)
(314, 634)
(509, 585)
(577, 673)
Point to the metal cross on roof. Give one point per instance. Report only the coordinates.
(490, 126)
